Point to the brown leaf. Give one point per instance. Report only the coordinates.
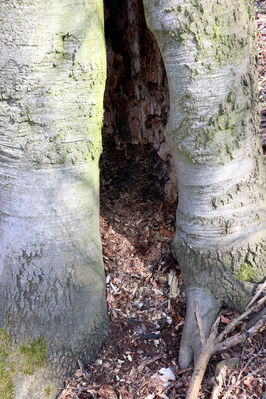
(167, 233)
(248, 382)
(107, 392)
(123, 393)
(225, 320)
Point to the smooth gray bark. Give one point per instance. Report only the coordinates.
(52, 285)
(209, 52)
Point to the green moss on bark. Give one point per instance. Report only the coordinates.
(247, 273)
(23, 358)
(48, 391)
(6, 384)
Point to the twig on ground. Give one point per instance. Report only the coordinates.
(216, 344)
(256, 318)
(230, 327)
(240, 377)
(261, 288)
(147, 362)
(202, 363)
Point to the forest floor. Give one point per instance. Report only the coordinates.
(144, 289)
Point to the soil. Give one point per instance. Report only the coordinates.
(144, 288)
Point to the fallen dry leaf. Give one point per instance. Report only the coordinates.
(167, 233)
(107, 392)
(225, 320)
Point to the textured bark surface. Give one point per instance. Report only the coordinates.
(52, 73)
(209, 52)
(136, 102)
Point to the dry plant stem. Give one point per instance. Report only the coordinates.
(199, 370)
(200, 326)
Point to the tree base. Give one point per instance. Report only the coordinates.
(209, 307)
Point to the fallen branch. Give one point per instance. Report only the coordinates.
(256, 318)
(202, 363)
(216, 344)
(230, 327)
(240, 337)
(261, 288)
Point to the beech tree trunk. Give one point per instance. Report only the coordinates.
(52, 285)
(209, 52)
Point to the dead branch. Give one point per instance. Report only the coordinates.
(199, 369)
(240, 337)
(256, 318)
(216, 344)
(218, 384)
(202, 362)
(234, 323)
(261, 288)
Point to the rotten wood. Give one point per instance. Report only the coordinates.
(136, 101)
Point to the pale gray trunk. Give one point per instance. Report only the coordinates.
(52, 289)
(209, 52)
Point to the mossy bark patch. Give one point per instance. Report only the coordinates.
(48, 391)
(247, 273)
(23, 358)
(6, 385)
